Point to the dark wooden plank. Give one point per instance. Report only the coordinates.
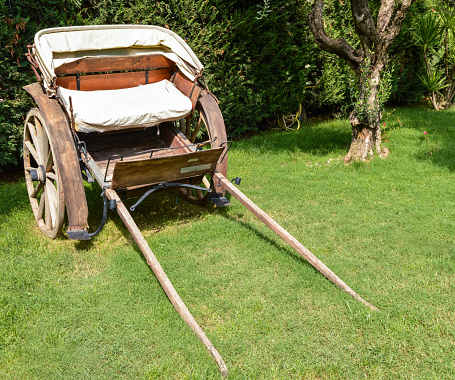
(67, 160)
(113, 81)
(114, 63)
(103, 146)
(165, 169)
(107, 144)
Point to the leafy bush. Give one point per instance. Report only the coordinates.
(434, 34)
(19, 21)
(12, 77)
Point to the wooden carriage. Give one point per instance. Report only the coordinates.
(123, 105)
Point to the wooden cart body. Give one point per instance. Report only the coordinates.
(127, 159)
(92, 62)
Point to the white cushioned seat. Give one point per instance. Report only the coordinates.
(142, 106)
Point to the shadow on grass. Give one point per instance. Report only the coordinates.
(154, 213)
(145, 223)
(288, 250)
(315, 139)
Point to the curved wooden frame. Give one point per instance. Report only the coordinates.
(216, 128)
(66, 157)
(211, 116)
(44, 186)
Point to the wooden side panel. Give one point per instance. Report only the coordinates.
(165, 169)
(117, 63)
(67, 160)
(174, 138)
(185, 86)
(113, 81)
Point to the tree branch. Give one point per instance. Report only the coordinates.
(384, 15)
(340, 46)
(364, 24)
(396, 21)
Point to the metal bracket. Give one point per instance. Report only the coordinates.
(226, 151)
(83, 234)
(219, 200)
(236, 180)
(86, 175)
(82, 148)
(83, 158)
(109, 161)
(78, 235)
(151, 151)
(112, 205)
(164, 185)
(32, 59)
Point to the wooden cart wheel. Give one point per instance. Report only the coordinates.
(205, 123)
(41, 175)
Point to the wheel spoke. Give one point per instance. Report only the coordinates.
(183, 127)
(32, 151)
(196, 130)
(39, 135)
(41, 207)
(36, 190)
(45, 146)
(49, 161)
(51, 175)
(188, 124)
(34, 137)
(206, 182)
(47, 210)
(53, 200)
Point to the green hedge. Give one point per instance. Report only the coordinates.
(259, 67)
(19, 21)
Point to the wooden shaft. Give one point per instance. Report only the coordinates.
(165, 282)
(288, 238)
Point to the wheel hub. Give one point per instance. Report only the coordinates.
(41, 174)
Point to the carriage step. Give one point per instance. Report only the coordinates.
(78, 235)
(219, 200)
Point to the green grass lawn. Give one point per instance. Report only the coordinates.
(76, 310)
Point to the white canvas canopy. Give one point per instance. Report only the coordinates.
(57, 46)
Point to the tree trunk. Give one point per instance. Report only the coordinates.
(366, 140)
(366, 136)
(375, 38)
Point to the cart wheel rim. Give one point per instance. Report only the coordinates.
(194, 196)
(192, 129)
(41, 175)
